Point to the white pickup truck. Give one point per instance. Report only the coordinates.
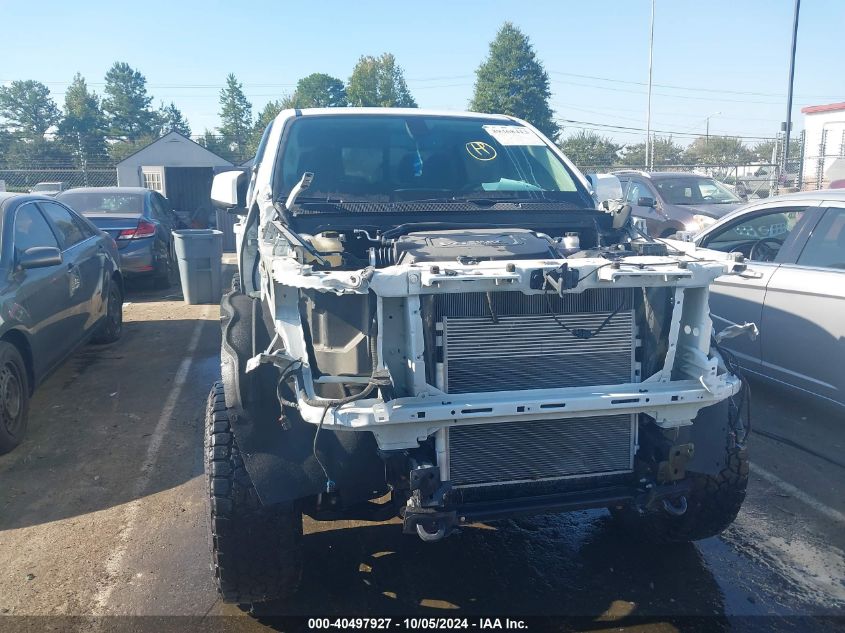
(434, 318)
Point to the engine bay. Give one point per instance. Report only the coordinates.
(359, 248)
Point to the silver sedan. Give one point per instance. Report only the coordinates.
(794, 289)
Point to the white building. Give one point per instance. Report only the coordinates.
(145, 168)
(177, 168)
(824, 145)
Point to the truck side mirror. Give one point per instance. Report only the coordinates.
(228, 189)
(646, 202)
(606, 187)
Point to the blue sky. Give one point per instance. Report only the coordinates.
(708, 55)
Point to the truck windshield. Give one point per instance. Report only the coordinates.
(406, 158)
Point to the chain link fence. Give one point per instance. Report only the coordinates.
(22, 180)
(824, 160)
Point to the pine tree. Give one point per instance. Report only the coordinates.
(171, 119)
(82, 129)
(235, 117)
(28, 109)
(127, 105)
(265, 118)
(379, 82)
(513, 81)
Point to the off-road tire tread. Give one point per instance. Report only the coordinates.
(712, 506)
(256, 553)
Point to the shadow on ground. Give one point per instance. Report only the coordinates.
(90, 424)
(578, 564)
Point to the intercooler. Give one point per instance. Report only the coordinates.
(515, 452)
(504, 341)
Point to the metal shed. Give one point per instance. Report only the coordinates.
(179, 169)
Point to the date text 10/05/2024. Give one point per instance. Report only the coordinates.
(417, 623)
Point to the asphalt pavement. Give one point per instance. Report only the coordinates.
(102, 513)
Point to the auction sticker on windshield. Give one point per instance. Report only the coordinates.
(513, 135)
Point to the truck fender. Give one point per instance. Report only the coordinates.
(710, 433)
(278, 457)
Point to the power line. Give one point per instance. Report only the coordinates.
(671, 132)
(676, 87)
(709, 91)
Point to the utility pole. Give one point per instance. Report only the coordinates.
(707, 128)
(649, 143)
(82, 158)
(791, 80)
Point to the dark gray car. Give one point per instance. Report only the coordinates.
(140, 220)
(794, 289)
(671, 201)
(61, 286)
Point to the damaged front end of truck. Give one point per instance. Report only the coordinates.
(459, 360)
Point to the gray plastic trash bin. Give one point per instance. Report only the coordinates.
(200, 255)
(226, 223)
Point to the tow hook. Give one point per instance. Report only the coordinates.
(431, 537)
(675, 510)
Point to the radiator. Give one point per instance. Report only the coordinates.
(511, 341)
(515, 452)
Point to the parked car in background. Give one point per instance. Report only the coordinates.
(61, 285)
(140, 220)
(794, 289)
(671, 201)
(49, 188)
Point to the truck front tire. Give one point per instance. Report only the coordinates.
(712, 506)
(255, 549)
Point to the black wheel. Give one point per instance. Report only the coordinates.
(710, 508)
(112, 325)
(169, 274)
(14, 397)
(255, 549)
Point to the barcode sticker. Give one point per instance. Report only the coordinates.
(513, 135)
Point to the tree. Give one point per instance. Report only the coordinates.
(6, 143)
(666, 152)
(82, 129)
(120, 150)
(127, 105)
(512, 81)
(379, 82)
(235, 116)
(217, 144)
(265, 118)
(586, 148)
(717, 150)
(764, 150)
(171, 119)
(319, 90)
(28, 109)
